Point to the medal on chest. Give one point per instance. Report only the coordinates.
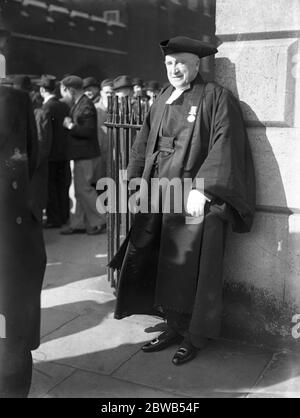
(192, 114)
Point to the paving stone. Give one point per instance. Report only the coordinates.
(223, 369)
(47, 376)
(53, 319)
(77, 300)
(281, 379)
(88, 385)
(94, 342)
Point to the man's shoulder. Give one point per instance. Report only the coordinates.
(55, 104)
(86, 106)
(214, 87)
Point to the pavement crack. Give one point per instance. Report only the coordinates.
(268, 366)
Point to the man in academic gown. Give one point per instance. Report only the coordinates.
(172, 262)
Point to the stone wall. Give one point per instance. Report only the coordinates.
(258, 61)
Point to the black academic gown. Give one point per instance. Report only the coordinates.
(166, 262)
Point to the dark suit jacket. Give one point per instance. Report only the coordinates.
(83, 142)
(57, 111)
(22, 252)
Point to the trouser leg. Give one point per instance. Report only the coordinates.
(63, 187)
(15, 369)
(53, 207)
(86, 194)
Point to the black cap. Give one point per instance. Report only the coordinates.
(73, 81)
(48, 82)
(90, 82)
(122, 82)
(185, 44)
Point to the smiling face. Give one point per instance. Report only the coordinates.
(182, 68)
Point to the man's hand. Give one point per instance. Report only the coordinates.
(68, 123)
(195, 203)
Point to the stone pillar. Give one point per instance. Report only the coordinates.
(258, 61)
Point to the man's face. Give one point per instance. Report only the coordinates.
(137, 90)
(42, 92)
(92, 92)
(106, 91)
(182, 68)
(66, 93)
(124, 92)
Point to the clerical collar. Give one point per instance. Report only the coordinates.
(177, 93)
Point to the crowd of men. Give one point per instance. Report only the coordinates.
(70, 117)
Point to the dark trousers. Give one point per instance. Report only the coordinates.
(15, 369)
(59, 181)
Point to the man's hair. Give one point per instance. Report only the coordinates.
(73, 81)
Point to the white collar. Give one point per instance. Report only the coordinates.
(177, 93)
(48, 98)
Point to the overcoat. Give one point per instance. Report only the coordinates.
(166, 262)
(22, 250)
(83, 141)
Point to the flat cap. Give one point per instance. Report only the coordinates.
(90, 82)
(47, 81)
(72, 81)
(122, 82)
(107, 82)
(185, 44)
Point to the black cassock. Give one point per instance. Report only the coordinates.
(168, 263)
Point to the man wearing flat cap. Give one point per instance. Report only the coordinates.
(92, 89)
(137, 84)
(84, 150)
(123, 86)
(171, 261)
(101, 108)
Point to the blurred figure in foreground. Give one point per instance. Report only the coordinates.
(22, 251)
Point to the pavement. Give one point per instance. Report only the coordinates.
(85, 352)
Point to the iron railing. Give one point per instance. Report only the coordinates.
(124, 119)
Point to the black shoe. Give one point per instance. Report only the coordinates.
(96, 230)
(164, 340)
(184, 354)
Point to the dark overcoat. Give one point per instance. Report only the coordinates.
(166, 262)
(56, 111)
(22, 250)
(83, 139)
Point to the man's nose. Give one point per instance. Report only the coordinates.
(174, 69)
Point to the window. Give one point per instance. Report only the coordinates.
(112, 16)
